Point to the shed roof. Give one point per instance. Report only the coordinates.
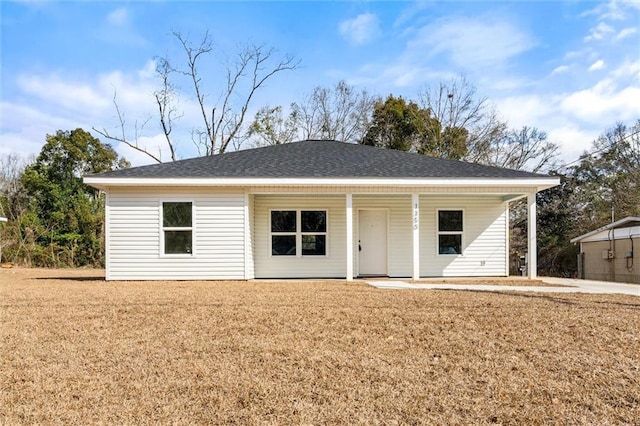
(319, 159)
(627, 222)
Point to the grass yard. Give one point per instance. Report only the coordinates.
(79, 350)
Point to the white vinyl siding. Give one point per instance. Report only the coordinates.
(332, 265)
(484, 242)
(221, 233)
(134, 236)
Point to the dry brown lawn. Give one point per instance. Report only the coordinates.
(79, 350)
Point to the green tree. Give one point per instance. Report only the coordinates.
(398, 124)
(557, 223)
(608, 179)
(67, 214)
(465, 117)
(604, 183)
(270, 127)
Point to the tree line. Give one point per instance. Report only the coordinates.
(55, 220)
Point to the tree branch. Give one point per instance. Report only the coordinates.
(123, 139)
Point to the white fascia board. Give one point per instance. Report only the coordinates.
(616, 224)
(607, 235)
(105, 182)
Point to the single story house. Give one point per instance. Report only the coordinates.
(608, 254)
(313, 209)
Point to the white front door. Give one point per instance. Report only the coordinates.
(372, 242)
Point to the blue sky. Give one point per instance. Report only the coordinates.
(570, 68)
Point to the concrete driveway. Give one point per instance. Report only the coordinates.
(577, 286)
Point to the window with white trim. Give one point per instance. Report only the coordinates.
(450, 231)
(298, 232)
(177, 227)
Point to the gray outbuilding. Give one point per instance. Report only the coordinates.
(608, 254)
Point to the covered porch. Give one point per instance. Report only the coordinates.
(391, 231)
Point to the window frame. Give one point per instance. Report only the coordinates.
(299, 233)
(439, 233)
(191, 228)
(283, 233)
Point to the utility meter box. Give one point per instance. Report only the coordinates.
(608, 254)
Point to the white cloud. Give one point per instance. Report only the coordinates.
(597, 65)
(548, 112)
(361, 29)
(544, 112)
(119, 17)
(119, 28)
(584, 53)
(505, 83)
(71, 95)
(599, 32)
(603, 103)
(572, 139)
(627, 32)
(412, 11)
(482, 41)
(561, 69)
(51, 102)
(524, 110)
(575, 118)
(614, 10)
(628, 70)
(24, 128)
(614, 98)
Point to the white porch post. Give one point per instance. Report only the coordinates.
(532, 266)
(248, 274)
(415, 203)
(349, 241)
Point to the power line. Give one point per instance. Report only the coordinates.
(582, 157)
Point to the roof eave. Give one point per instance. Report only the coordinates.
(106, 182)
(612, 225)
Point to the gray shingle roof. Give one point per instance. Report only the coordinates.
(321, 159)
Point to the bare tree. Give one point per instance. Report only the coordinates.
(13, 199)
(328, 113)
(271, 127)
(338, 113)
(457, 106)
(608, 178)
(222, 120)
(525, 149)
(166, 101)
(131, 141)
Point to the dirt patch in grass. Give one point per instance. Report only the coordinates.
(506, 281)
(78, 350)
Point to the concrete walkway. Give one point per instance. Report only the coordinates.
(578, 286)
